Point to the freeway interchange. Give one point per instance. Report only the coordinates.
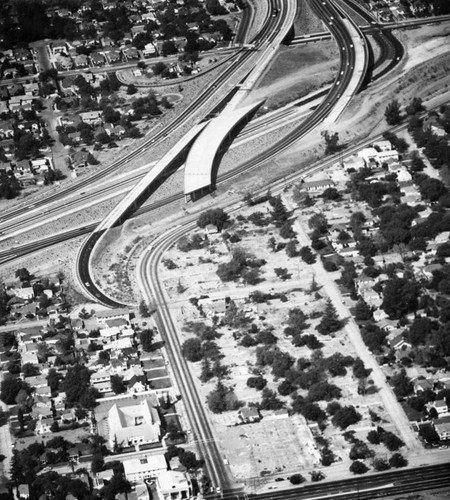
(355, 60)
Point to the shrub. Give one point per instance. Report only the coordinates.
(297, 479)
(358, 467)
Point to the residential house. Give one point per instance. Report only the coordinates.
(131, 53)
(249, 415)
(398, 342)
(137, 384)
(109, 334)
(25, 293)
(23, 492)
(100, 377)
(423, 385)
(80, 159)
(149, 50)
(112, 56)
(440, 405)
(97, 59)
(317, 186)
(432, 123)
(92, 117)
(102, 316)
(442, 427)
(172, 485)
(81, 61)
(148, 467)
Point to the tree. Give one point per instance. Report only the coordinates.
(358, 467)
(400, 296)
(10, 388)
(330, 322)
(215, 8)
(97, 464)
(331, 194)
(216, 216)
(374, 436)
(206, 373)
(257, 383)
(318, 223)
(30, 370)
(359, 370)
(323, 390)
(146, 338)
(159, 68)
(76, 383)
(191, 349)
(398, 460)
(222, 399)
(297, 479)
(23, 274)
(430, 188)
(429, 434)
(401, 384)
(280, 214)
(392, 113)
(345, 417)
(131, 89)
(291, 249)
(415, 106)
(391, 441)
(362, 311)
(360, 451)
(286, 230)
(331, 142)
(380, 465)
(317, 475)
(143, 309)
(169, 48)
(307, 255)
(118, 386)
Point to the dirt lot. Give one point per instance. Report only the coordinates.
(297, 71)
(292, 448)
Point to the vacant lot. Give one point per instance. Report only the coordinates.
(297, 71)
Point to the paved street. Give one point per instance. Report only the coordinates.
(351, 329)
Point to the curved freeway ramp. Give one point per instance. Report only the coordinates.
(121, 211)
(200, 161)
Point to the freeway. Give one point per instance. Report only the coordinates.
(33, 214)
(266, 38)
(390, 47)
(200, 107)
(18, 251)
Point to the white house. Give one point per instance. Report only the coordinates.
(148, 467)
(172, 485)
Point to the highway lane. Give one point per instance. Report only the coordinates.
(84, 272)
(17, 251)
(200, 426)
(321, 111)
(391, 48)
(199, 108)
(31, 215)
